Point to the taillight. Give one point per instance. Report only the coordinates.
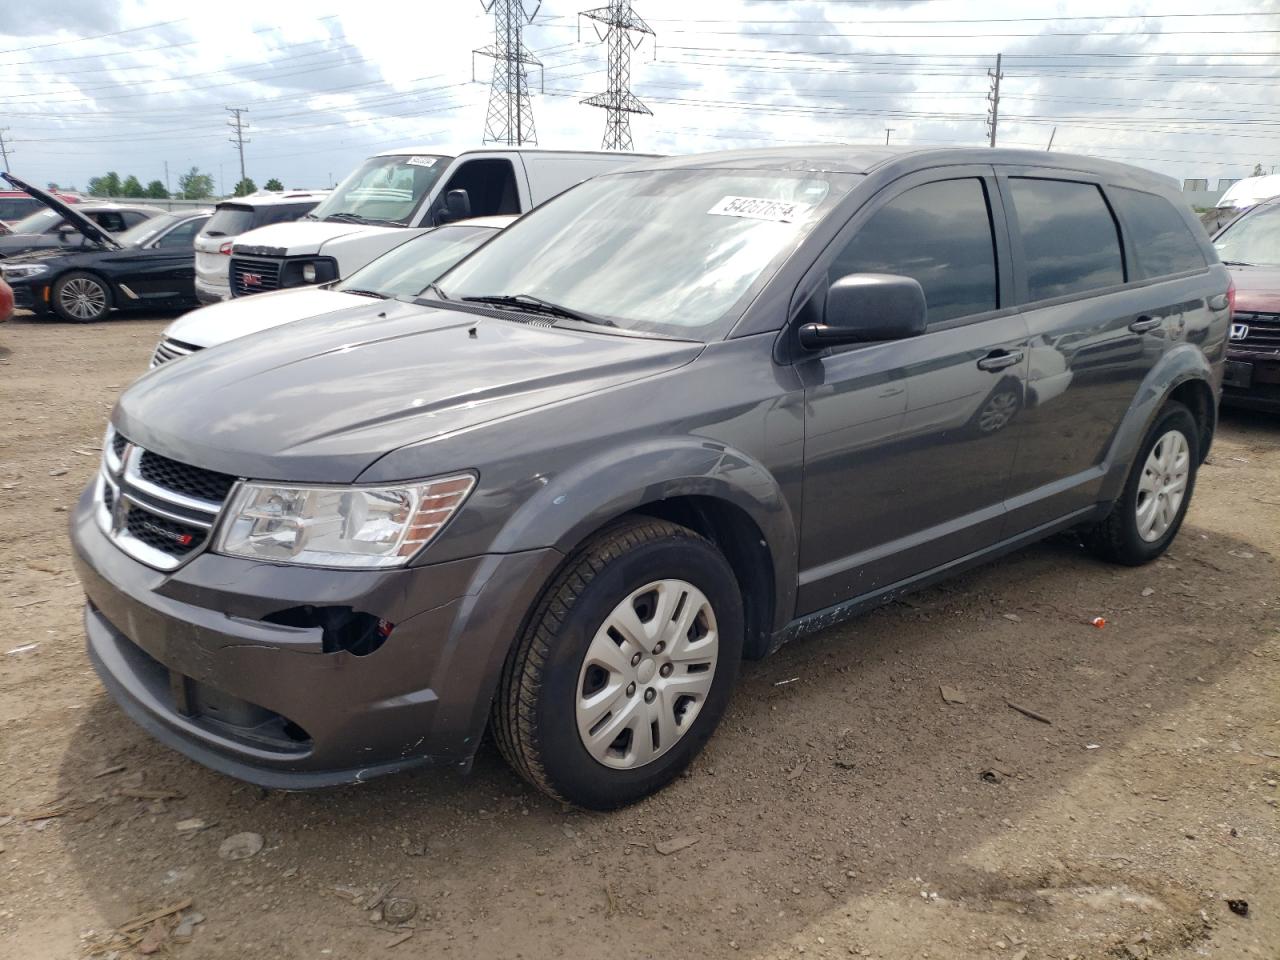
(1231, 298)
(225, 250)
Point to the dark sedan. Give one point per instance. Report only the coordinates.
(151, 265)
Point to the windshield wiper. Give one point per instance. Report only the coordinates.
(363, 293)
(1236, 263)
(532, 304)
(347, 218)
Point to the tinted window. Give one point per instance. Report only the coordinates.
(110, 220)
(1162, 242)
(229, 222)
(183, 235)
(1069, 237)
(133, 217)
(15, 208)
(283, 213)
(939, 234)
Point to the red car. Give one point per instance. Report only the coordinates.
(6, 301)
(16, 204)
(1250, 247)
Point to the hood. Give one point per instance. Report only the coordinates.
(320, 401)
(299, 237)
(66, 211)
(239, 317)
(1257, 288)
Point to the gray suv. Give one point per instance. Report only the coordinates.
(734, 398)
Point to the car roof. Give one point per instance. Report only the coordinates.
(852, 158)
(497, 222)
(103, 205)
(456, 150)
(275, 199)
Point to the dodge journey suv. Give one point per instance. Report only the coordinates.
(732, 399)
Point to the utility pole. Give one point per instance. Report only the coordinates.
(4, 148)
(993, 98)
(887, 131)
(510, 117)
(1051, 136)
(166, 178)
(239, 125)
(625, 31)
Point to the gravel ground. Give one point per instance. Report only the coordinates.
(843, 809)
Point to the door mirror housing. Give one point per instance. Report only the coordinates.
(66, 231)
(865, 307)
(457, 206)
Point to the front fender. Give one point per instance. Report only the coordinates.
(1183, 363)
(576, 503)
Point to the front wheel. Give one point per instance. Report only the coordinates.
(1146, 518)
(625, 667)
(80, 297)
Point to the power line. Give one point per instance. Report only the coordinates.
(625, 32)
(100, 36)
(510, 117)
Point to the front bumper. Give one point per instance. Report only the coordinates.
(1252, 381)
(188, 656)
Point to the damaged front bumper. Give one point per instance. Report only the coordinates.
(247, 668)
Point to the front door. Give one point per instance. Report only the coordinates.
(165, 270)
(909, 445)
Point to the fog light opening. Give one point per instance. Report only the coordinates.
(344, 629)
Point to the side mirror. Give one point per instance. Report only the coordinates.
(65, 231)
(865, 307)
(457, 206)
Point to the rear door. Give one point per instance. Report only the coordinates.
(909, 444)
(1099, 316)
(165, 270)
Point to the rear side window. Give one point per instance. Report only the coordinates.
(1069, 237)
(283, 212)
(938, 234)
(229, 222)
(1162, 242)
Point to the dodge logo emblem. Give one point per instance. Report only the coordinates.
(1239, 331)
(251, 279)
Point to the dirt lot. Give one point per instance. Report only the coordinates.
(843, 809)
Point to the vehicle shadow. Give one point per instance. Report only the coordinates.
(838, 767)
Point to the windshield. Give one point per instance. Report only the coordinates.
(137, 236)
(1253, 239)
(407, 270)
(15, 208)
(383, 190)
(674, 252)
(39, 222)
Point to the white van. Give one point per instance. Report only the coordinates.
(234, 217)
(411, 187)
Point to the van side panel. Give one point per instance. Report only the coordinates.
(553, 173)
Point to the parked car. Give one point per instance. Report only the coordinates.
(6, 301)
(411, 187)
(47, 230)
(1250, 247)
(404, 273)
(148, 266)
(234, 217)
(676, 416)
(17, 204)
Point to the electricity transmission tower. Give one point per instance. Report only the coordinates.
(625, 31)
(239, 126)
(993, 100)
(510, 117)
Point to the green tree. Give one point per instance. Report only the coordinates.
(131, 188)
(273, 184)
(156, 190)
(245, 187)
(108, 186)
(1257, 169)
(194, 185)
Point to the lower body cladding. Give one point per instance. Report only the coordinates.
(292, 677)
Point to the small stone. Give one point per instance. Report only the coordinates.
(1148, 591)
(186, 927)
(674, 845)
(240, 846)
(1012, 617)
(795, 890)
(191, 826)
(60, 471)
(399, 909)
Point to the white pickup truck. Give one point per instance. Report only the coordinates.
(412, 187)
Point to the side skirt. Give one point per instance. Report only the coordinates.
(838, 613)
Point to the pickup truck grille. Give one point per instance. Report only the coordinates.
(251, 275)
(159, 511)
(1261, 331)
(169, 349)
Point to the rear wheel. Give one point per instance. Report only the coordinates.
(625, 668)
(1146, 518)
(80, 297)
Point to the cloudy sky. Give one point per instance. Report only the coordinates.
(1187, 88)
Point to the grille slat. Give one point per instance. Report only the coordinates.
(182, 478)
(250, 275)
(1264, 331)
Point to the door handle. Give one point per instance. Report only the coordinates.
(1000, 359)
(1144, 324)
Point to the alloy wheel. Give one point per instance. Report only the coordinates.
(1163, 485)
(83, 298)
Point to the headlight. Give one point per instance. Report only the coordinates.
(309, 272)
(23, 271)
(340, 526)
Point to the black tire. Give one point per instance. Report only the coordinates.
(534, 719)
(1116, 538)
(95, 303)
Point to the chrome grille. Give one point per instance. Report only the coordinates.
(168, 349)
(1261, 331)
(251, 275)
(157, 510)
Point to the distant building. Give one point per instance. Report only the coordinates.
(1226, 183)
(1195, 186)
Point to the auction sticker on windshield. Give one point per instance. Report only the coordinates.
(422, 161)
(759, 208)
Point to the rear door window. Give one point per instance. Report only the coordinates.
(230, 222)
(1070, 241)
(1161, 240)
(939, 234)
